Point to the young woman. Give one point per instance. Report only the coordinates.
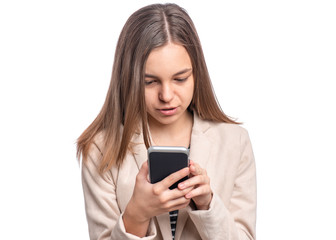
(160, 94)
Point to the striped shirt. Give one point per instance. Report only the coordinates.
(173, 221)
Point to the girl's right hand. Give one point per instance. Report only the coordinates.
(149, 200)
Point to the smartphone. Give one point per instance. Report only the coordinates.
(163, 161)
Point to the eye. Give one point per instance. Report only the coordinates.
(149, 82)
(181, 79)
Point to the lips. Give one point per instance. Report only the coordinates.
(168, 111)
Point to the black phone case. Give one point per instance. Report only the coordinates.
(162, 164)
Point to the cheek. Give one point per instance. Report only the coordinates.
(190, 92)
(147, 101)
(148, 98)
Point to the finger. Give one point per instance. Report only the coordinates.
(177, 193)
(194, 181)
(181, 206)
(202, 190)
(178, 207)
(195, 169)
(171, 197)
(172, 178)
(176, 203)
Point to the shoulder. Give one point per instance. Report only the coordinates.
(95, 150)
(212, 129)
(220, 134)
(91, 163)
(232, 134)
(225, 126)
(98, 143)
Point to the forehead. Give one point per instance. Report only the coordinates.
(168, 59)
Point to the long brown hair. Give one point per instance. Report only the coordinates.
(124, 110)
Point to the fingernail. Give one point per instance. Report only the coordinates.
(181, 185)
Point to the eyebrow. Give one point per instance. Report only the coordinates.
(175, 74)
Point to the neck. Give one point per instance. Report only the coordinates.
(175, 134)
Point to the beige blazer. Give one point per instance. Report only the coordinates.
(224, 150)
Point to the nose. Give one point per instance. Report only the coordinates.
(166, 93)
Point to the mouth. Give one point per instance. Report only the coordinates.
(168, 111)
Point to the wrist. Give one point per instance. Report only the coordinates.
(134, 222)
(133, 214)
(204, 206)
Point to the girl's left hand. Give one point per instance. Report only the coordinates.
(201, 194)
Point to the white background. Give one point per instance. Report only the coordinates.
(273, 64)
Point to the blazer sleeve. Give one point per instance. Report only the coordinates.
(238, 220)
(102, 211)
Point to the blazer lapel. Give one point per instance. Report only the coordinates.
(139, 149)
(181, 220)
(200, 146)
(128, 171)
(164, 224)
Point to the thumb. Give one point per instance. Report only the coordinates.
(143, 172)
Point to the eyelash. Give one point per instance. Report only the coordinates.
(149, 82)
(181, 79)
(176, 79)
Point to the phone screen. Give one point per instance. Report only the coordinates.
(166, 160)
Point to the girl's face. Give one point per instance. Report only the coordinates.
(169, 85)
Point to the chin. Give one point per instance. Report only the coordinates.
(166, 120)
